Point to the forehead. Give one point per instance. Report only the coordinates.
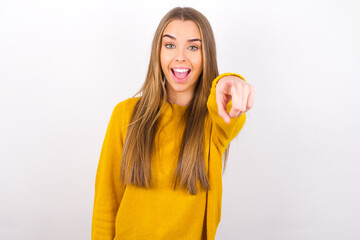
(181, 29)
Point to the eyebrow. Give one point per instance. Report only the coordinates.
(189, 40)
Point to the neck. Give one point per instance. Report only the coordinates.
(181, 99)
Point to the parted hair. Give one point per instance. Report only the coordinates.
(139, 140)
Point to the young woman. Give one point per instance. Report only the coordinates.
(160, 168)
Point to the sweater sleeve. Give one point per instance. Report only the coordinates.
(108, 190)
(223, 132)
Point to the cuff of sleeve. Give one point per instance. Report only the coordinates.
(216, 80)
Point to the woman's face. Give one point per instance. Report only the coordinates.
(181, 59)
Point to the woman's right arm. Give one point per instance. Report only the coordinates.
(224, 132)
(108, 189)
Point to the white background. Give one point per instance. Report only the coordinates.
(293, 171)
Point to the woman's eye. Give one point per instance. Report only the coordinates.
(193, 48)
(169, 45)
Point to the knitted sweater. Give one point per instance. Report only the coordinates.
(161, 213)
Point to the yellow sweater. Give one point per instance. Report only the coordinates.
(161, 213)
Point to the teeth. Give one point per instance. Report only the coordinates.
(181, 70)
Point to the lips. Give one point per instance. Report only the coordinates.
(180, 74)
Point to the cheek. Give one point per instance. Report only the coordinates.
(164, 61)
(198, 63)
(161, 59)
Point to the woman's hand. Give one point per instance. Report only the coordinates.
(241, 93)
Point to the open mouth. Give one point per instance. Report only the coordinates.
(180, 74)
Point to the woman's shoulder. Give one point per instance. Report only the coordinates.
(127, 105)
(123, 110)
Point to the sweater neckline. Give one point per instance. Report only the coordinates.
(175, 106)
(172, 109)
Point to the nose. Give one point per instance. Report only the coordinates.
(180, 56)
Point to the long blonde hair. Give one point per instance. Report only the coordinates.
(136, 158)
